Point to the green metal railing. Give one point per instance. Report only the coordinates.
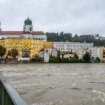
(9, 96)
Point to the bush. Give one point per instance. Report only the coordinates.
(38, 59)
(53, 60)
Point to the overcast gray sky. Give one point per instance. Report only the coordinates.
(74, 16)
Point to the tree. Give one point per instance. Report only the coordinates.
(58, 56)
(14, 53)
(87, 57)
(2, 51)
(76, 56)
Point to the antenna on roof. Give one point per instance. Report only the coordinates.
(0, 27)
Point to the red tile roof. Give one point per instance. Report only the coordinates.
(11, 32)
(20, 32)
(38, 33)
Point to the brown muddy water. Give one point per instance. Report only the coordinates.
(58, 84)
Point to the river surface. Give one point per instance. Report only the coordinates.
(58, 84)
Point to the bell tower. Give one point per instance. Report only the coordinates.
(28, 27)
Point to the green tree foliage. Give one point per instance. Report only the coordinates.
(68, 37)
(53, 59)
(59, 37)
(76, 56)
(13, 53)
(87, 57)
(2, 51)
(58, 56)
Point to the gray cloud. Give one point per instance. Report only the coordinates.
(75, 16)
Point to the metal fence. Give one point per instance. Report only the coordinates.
(9, 96)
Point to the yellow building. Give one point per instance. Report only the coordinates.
(102, 53)
(48, 44)
(22, 45)
(36, 46)
(2, 42)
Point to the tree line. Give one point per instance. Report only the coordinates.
(58, 37)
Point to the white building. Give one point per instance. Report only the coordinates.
(27, 32)
(72, 46)
(95, 52)
(54, 52)
(46, 52)
(76, 47)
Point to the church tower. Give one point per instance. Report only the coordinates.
(28, 27)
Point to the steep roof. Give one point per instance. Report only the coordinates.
(21, 32)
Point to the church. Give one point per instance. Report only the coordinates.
(27, 33)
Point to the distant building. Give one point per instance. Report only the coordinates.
(102, 53)
(47, 52)
(98, 52)
(94, 52)
(27, 33)
(87, 37)
(71, 46)
(66, 54)
(54, 52)
(102, 38)
(97, 37)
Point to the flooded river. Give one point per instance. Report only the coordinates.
(58, 84)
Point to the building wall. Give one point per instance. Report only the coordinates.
(102, 53)
(46, 54)
(9, 36)
(40, 37)
(94, 52)
(34, 46)
(67, 55)
(25, 36)
(71, 46)
(98, 52)
(2, 42)
(11, 44)
(28, 28)
(48, 44)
